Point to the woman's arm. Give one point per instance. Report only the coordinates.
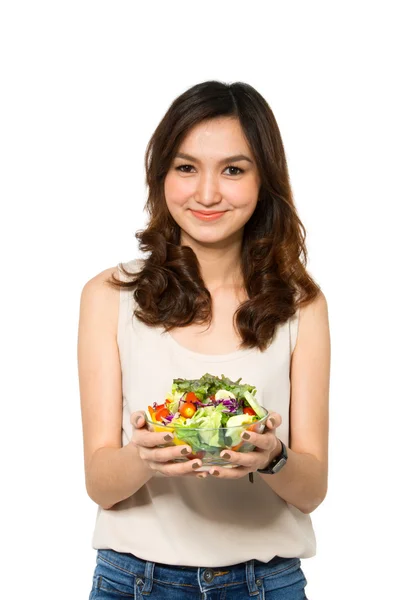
(303, 481)
(112, 473)
(115, 474)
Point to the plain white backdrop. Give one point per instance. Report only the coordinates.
(84, 84)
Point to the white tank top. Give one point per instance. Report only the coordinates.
(201, 522)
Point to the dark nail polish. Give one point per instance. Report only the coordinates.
(245, 436)
(184, 451)
(168, 437)
(195, 466)
(215, 473)
(226, 456)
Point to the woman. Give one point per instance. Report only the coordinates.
(164, 529)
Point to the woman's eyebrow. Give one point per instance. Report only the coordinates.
(234, 158)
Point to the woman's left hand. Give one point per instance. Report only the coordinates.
(267, 446)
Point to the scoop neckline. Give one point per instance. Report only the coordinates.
(207, 357)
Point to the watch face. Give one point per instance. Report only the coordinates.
(279, 465)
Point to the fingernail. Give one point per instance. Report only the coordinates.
(137, 420)
(272, 421)
(202, 475)
(168, 437)
(195, 466)
(226, 456)
(184, 451)
(214, 473)
(245, 436)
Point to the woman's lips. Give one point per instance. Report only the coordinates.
(207, 216)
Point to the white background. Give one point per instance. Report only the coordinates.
(84, 84)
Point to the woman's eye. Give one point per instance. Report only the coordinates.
(235, 168)
(183, 167)
(238, 171)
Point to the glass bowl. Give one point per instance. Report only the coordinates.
(207, 444)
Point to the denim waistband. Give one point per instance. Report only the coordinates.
(251, 572)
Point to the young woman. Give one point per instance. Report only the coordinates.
(224, 290)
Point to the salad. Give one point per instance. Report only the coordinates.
(208, 413)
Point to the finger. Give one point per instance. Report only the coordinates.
(172, 469)
(250, 460)
(163, 455)
(263, 441)
(274, 420)
(138, 418)
(150, 439)
(230, 473)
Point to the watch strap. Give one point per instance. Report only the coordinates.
(277, 463)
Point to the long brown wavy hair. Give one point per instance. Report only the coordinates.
(169, 289)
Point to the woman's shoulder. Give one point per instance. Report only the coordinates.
(100, 281)
(101, 298)
(99, 301)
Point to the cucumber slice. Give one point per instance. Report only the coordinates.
(259, 410)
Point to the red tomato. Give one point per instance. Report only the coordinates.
(161, 412)
(191, 397)
(249, 411)
(200, 454)
(187, 410)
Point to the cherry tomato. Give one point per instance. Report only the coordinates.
(191, 397)
(161, 412)
(249, 411)
(200, 454)
(187, 410)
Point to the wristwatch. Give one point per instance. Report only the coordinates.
(277, 463)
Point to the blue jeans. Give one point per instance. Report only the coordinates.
(120, 575)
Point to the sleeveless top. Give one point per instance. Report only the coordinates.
(201, 522)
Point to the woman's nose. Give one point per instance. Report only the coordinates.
(207, 191)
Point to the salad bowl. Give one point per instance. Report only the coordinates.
(207, 444)
(209, 415)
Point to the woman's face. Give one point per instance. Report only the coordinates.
(206, 179)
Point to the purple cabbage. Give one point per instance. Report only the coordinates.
(168, 418)
(231, 404)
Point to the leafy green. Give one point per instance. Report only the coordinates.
(209, 385)
(204, 431)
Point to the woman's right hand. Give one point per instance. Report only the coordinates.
(160, 459)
